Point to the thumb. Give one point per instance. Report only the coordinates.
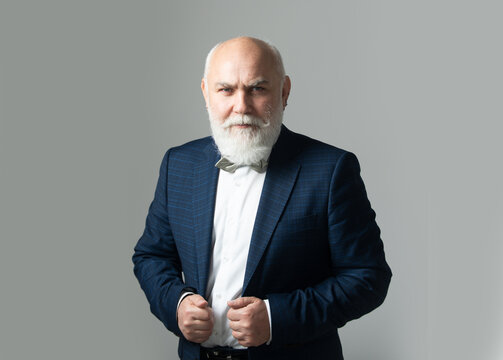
(241, 302)
(199, 301)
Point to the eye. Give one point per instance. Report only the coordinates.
(225, 90)
(258, 89)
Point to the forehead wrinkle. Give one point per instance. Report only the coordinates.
(223, 83)
(245, 67)
(258, 81)
(252, 83)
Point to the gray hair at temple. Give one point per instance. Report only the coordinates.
(274, 51)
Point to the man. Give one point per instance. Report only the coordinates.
(259, 242)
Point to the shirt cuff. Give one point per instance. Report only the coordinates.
(183, 296)
(266, 301)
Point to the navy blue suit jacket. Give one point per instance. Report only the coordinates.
(315, 251)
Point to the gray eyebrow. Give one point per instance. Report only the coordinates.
(255, 83)
(224, 84)
(258, 82)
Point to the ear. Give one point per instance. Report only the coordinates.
(205, 91)
(285, 92)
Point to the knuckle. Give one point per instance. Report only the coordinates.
(186, 323)
(244, 342)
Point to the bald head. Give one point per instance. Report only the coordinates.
(245, 76)
(245, 91)
(248, 46)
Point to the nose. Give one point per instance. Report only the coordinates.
(241, 103)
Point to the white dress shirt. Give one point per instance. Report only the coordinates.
(237, 200)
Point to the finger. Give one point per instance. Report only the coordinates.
(234, 325)
(190, 325)
(233, 315)
(196, 331)
(196, 313)
(241, 302)
(198, 325)
(238, 336)
(198, 336)
(193, 299)
(246, 342)
(198, 301)
(239, 314)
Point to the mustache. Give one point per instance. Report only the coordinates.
(245, 120)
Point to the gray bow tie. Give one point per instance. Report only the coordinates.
(229, 166)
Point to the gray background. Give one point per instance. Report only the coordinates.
(92, 93)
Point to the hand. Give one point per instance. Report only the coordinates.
(195, 318)
(249, 321)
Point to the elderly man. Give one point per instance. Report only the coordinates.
(260, 243)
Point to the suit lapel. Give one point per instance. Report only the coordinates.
(280, 179)
(205, 185)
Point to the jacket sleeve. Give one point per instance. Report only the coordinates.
(359, 277)
(156, 262)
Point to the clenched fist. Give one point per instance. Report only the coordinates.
(249, 321)
(195, 318)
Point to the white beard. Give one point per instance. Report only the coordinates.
(247, 145)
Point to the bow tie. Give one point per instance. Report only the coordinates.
(229, 166)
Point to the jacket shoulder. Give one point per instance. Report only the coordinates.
(309, 149)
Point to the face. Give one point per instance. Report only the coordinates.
(243, 82)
